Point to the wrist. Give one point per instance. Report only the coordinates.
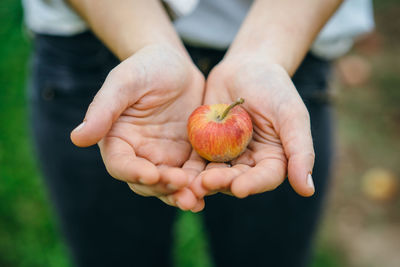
(126, 26)
(246, 71)
(253, 56)
(278, 32)
(127, 49)
(271, 51)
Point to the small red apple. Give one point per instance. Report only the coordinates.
(220, 132)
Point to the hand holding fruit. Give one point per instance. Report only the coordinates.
(139, 119)
(281, 143)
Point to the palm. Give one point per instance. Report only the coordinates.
(154, 127)
(275, 109)
(140, 116)
(265, 149)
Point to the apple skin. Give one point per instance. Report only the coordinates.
(219, 140)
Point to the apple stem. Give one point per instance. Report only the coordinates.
(231, 106)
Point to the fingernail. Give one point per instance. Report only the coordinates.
(310, 182)
(196, 208)
(80, 126)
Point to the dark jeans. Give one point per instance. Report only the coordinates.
(105, 224)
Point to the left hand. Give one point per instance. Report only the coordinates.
(281, 144)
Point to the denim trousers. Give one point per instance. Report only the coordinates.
(105, 224)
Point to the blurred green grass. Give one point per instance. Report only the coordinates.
(28, 232)
(26, 228)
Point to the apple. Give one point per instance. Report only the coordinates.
(220, 132)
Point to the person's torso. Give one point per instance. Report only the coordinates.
(213, 23)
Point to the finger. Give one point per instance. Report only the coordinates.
(108, 104)
(265, 176)
(167, 199)
(144, 190)
(156, 190)
(172, 179)
(220, 179)
(193, 167)
(122, 163)
(183, 199)
(197, 185)
(213, 165)
(199, 190)
(299, 173)
(297, 142)
(199, 206)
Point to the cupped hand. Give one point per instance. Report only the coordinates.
(138, 118)
(281, 145)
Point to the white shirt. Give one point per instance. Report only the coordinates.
(212, 23)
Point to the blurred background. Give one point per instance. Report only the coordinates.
(361, 224)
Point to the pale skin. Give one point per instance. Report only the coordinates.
(264, 55)
(138, 118)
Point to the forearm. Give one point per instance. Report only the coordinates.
(125, 26)
(282, 31)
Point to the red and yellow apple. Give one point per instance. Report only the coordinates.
(220, 132)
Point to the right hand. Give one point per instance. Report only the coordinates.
(138, 118)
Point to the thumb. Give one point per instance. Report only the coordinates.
(108, 104)
(297, 142)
